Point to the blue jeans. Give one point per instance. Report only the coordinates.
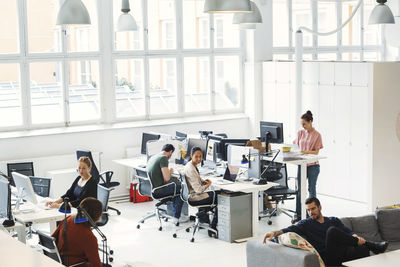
(312, 176)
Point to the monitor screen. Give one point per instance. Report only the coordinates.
(274, 128)
(148, 137)
(5, 198)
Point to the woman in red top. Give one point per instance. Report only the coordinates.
(310, 142)
(82, 246)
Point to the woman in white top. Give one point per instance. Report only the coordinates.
(197, 186)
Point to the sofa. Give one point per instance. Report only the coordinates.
(384, 225)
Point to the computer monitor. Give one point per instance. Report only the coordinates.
(41, 186)
(230, 141)
(180, 134)
(25, 168)
(213, 148)
(148, 137)
(271, 132)
(193, 142)
(23, 182)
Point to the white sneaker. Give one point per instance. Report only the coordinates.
(184, 219)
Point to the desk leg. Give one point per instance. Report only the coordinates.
(21, 232)
(304, 187)
(53, 226)
(254, 204)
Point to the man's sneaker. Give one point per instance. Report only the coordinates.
(184, 219)
(377, 247)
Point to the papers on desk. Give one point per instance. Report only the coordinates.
(206, 171)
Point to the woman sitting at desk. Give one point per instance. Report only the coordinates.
(81, 246)
(197, 186)
(84, 186)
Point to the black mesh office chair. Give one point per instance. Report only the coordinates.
(103, 194)
(279, 194)
(103, 178)
(145, 188)
(203, 210)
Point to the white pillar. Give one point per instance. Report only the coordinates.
(299, 76)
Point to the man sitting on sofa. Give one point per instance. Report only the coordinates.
(334, 242)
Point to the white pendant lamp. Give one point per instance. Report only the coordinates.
(73, 12)
(125, 21)
(381, 14)
(248, 18)
(227, 6)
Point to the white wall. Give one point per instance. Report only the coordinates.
(112, 143)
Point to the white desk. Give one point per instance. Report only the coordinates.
(388, 259)
(303, 174)
(50, 216)
(14, 253)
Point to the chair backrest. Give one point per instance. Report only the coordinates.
(145, 186)
(25, 168)
(41, 186)
(184, 189)
(93, 171)
(283, 182)
(103, 194)
(108, 175)
(48, 245)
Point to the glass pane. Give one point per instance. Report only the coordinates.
(371, 32)
(371, 56)
(162, 25)
(280, 23)
(132, 40)
(196, 25)
(302, 16)
(9, 27)
(327, 19)
(46, 92)
(351, 56)
(10, 95)
(227, 82)
(280, 57)
(162, 74)
(351, 32)
(83, 38)
(226, 33)
(84, 98)
(129, 87)
(197, 83)
(327, 56)
(44, 36)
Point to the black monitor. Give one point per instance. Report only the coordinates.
(25, 168)
(148, 137)
(193, 142)
(271, 132)
(5, 203)
(223, 155)
(180, 134)
(41, 186)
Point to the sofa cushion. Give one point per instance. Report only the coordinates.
(293, 240)
(389, 224)
(366, 227)
(347, 222)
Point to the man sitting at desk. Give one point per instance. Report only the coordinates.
(157, 168)
(334, 242)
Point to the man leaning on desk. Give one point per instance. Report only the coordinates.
(157, 168)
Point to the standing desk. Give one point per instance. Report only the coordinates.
(305, 159)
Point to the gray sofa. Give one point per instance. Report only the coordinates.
(383, 225)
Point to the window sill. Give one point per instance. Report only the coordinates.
(120, 125)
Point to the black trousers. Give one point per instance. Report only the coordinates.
(208, 201)
(341, 247)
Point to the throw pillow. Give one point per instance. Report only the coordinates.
(293, 240)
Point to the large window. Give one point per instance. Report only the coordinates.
(325, 16)
(180, 62)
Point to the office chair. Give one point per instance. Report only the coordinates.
(99, 176)
(48, 245)
(103, 194)
(145, 188)
(202, 210)
(278, 195)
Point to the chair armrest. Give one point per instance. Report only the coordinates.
(164, 186)
(277, 255)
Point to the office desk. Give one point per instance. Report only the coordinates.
(14, 253)
(303, 174)
(50, 216)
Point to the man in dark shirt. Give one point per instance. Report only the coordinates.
(334, 242)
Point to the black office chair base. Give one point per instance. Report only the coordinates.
(114, 209)
(276, 210)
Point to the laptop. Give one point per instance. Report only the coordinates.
(230, 175)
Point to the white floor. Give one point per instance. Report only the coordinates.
(149, 247)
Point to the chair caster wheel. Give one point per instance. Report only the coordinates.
(118, 212)
(174, 235)
(269, 222)
(111, 259)
(187, 230)
(177, 224)
(166, 220)
(160, 228)
(259, 218)
(192, 240)
(142, 222)
(111, 252)
(138, 226)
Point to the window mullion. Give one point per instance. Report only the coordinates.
(179, 60)
(146, 60)
(290, 24)
(339, 33)
(314, 8)
(212, 65)
(362, 32)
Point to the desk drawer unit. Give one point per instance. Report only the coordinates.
(234, 217)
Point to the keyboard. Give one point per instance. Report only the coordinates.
(292, 158)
